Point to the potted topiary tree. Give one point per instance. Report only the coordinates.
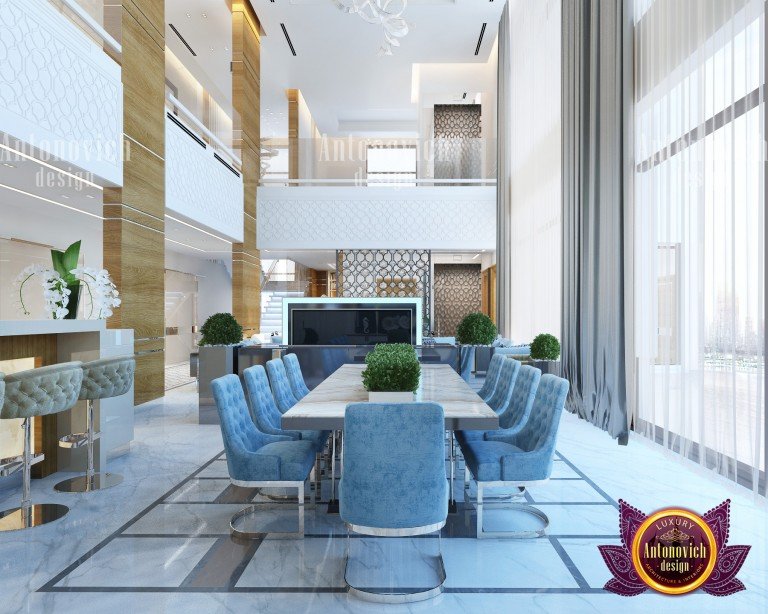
(545, 353)
(392, 373)
(221, 334)
(476, 329)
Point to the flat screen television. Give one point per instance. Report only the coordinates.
(350, 324)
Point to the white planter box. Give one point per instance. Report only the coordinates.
(391, 397)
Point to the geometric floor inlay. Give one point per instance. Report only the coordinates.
(181, 543)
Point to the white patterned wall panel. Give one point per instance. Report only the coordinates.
(59, 91)
(449, 218)
(199, 187)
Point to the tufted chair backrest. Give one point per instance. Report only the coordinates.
(540, 431)
(491, 376)
(241, 437)
(394, 465)
(281, 389)
(107, 377)
(523, 396)
(503, 393)
(265, 413)
(296, 379)
(43, 391)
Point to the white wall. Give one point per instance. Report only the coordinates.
(535, 168)
(446, 218)
(214, 282)
(61, 95)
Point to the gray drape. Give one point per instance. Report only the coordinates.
(503, 194)
(595, 111)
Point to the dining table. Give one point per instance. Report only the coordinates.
(324, 407)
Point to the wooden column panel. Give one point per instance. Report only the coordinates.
(246, 100)
(134, 215)
(293, 133)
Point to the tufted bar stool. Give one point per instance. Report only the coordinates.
(102, 379)
(37, 392)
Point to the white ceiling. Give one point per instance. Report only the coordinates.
(341, 76)
(206, 25)
(349, 89)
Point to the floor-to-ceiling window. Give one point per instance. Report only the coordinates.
(699, 231)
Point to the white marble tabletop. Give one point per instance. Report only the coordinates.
(324, 407)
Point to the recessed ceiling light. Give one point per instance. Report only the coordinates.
(9, 165)
(64, 196)
(189, 16)
(211, 47)
(205, 15)
(89, 196)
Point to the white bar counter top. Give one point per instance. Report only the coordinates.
(11, 328)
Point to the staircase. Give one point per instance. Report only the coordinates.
(272, 310)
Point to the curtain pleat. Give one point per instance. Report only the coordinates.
(503, 195)
(593, 319)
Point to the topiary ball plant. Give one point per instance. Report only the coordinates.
(545, 347)
(476, 329)
(392, 367)
(221, 329)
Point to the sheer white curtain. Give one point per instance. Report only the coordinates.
(699, 231)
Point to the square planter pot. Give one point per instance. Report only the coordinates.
(214, 361)
(391, 397)
(548, 366)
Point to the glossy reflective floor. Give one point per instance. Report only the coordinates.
(159, 542)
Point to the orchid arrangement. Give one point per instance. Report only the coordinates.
(55, 291)
(102, 292)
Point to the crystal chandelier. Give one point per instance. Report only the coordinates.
(388, 13)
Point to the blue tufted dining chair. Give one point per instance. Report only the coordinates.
(256, 459)
(521, 459)
(513, 420)
(28, 394)
(394, 478)
(265, 413)
(491, 377)
(502, 394)
(281, 388)
(295, 378)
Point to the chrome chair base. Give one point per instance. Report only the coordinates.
(380, 589)
(366, 595)
(84, 483)
(525, 508)
(31, 516)
(481, 503)
(252, 509)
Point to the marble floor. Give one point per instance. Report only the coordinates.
(160, 541)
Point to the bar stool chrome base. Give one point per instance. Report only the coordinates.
(85, 483)
(31, 516)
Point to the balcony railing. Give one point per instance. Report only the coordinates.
(89, 23)
(338, 161)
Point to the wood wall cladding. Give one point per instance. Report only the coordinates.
(134, 224)
(293, 133)
(44, 349)
(246, 100)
